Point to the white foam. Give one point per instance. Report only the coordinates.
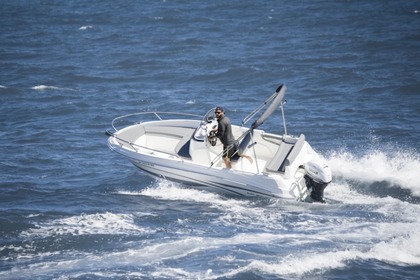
(100, 223)
(233, 210)
(173, 273)
(397, 245)
(400, 250)
(343, 192)
(397, 167)
(125, 192)
(143, 255)
(297, 265)
(175, 249)
(1, 86)
(167, 190)
(85, 27)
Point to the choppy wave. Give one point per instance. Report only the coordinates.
(45, 87)
(305, 239)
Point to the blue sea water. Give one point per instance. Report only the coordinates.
(72, 209)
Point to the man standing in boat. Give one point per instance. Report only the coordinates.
(224, 133)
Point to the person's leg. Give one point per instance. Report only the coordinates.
(228, 164)
(248, 157)
(226, 159)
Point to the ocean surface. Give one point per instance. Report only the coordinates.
(72, 209)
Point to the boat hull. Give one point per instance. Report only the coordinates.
(214, 178)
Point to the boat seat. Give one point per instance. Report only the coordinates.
(286, 154)
(184, 135)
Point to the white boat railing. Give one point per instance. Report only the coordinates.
(157, 116)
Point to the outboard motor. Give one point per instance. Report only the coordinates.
(318, 176)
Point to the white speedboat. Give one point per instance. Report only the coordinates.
(180, 147)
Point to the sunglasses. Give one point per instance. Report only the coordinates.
(217, 113)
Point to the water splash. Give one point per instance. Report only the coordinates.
(393, 165)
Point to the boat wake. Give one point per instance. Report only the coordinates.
(177, 227)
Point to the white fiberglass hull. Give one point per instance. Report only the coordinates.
(218, 179)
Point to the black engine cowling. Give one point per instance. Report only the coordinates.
(316, 189)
